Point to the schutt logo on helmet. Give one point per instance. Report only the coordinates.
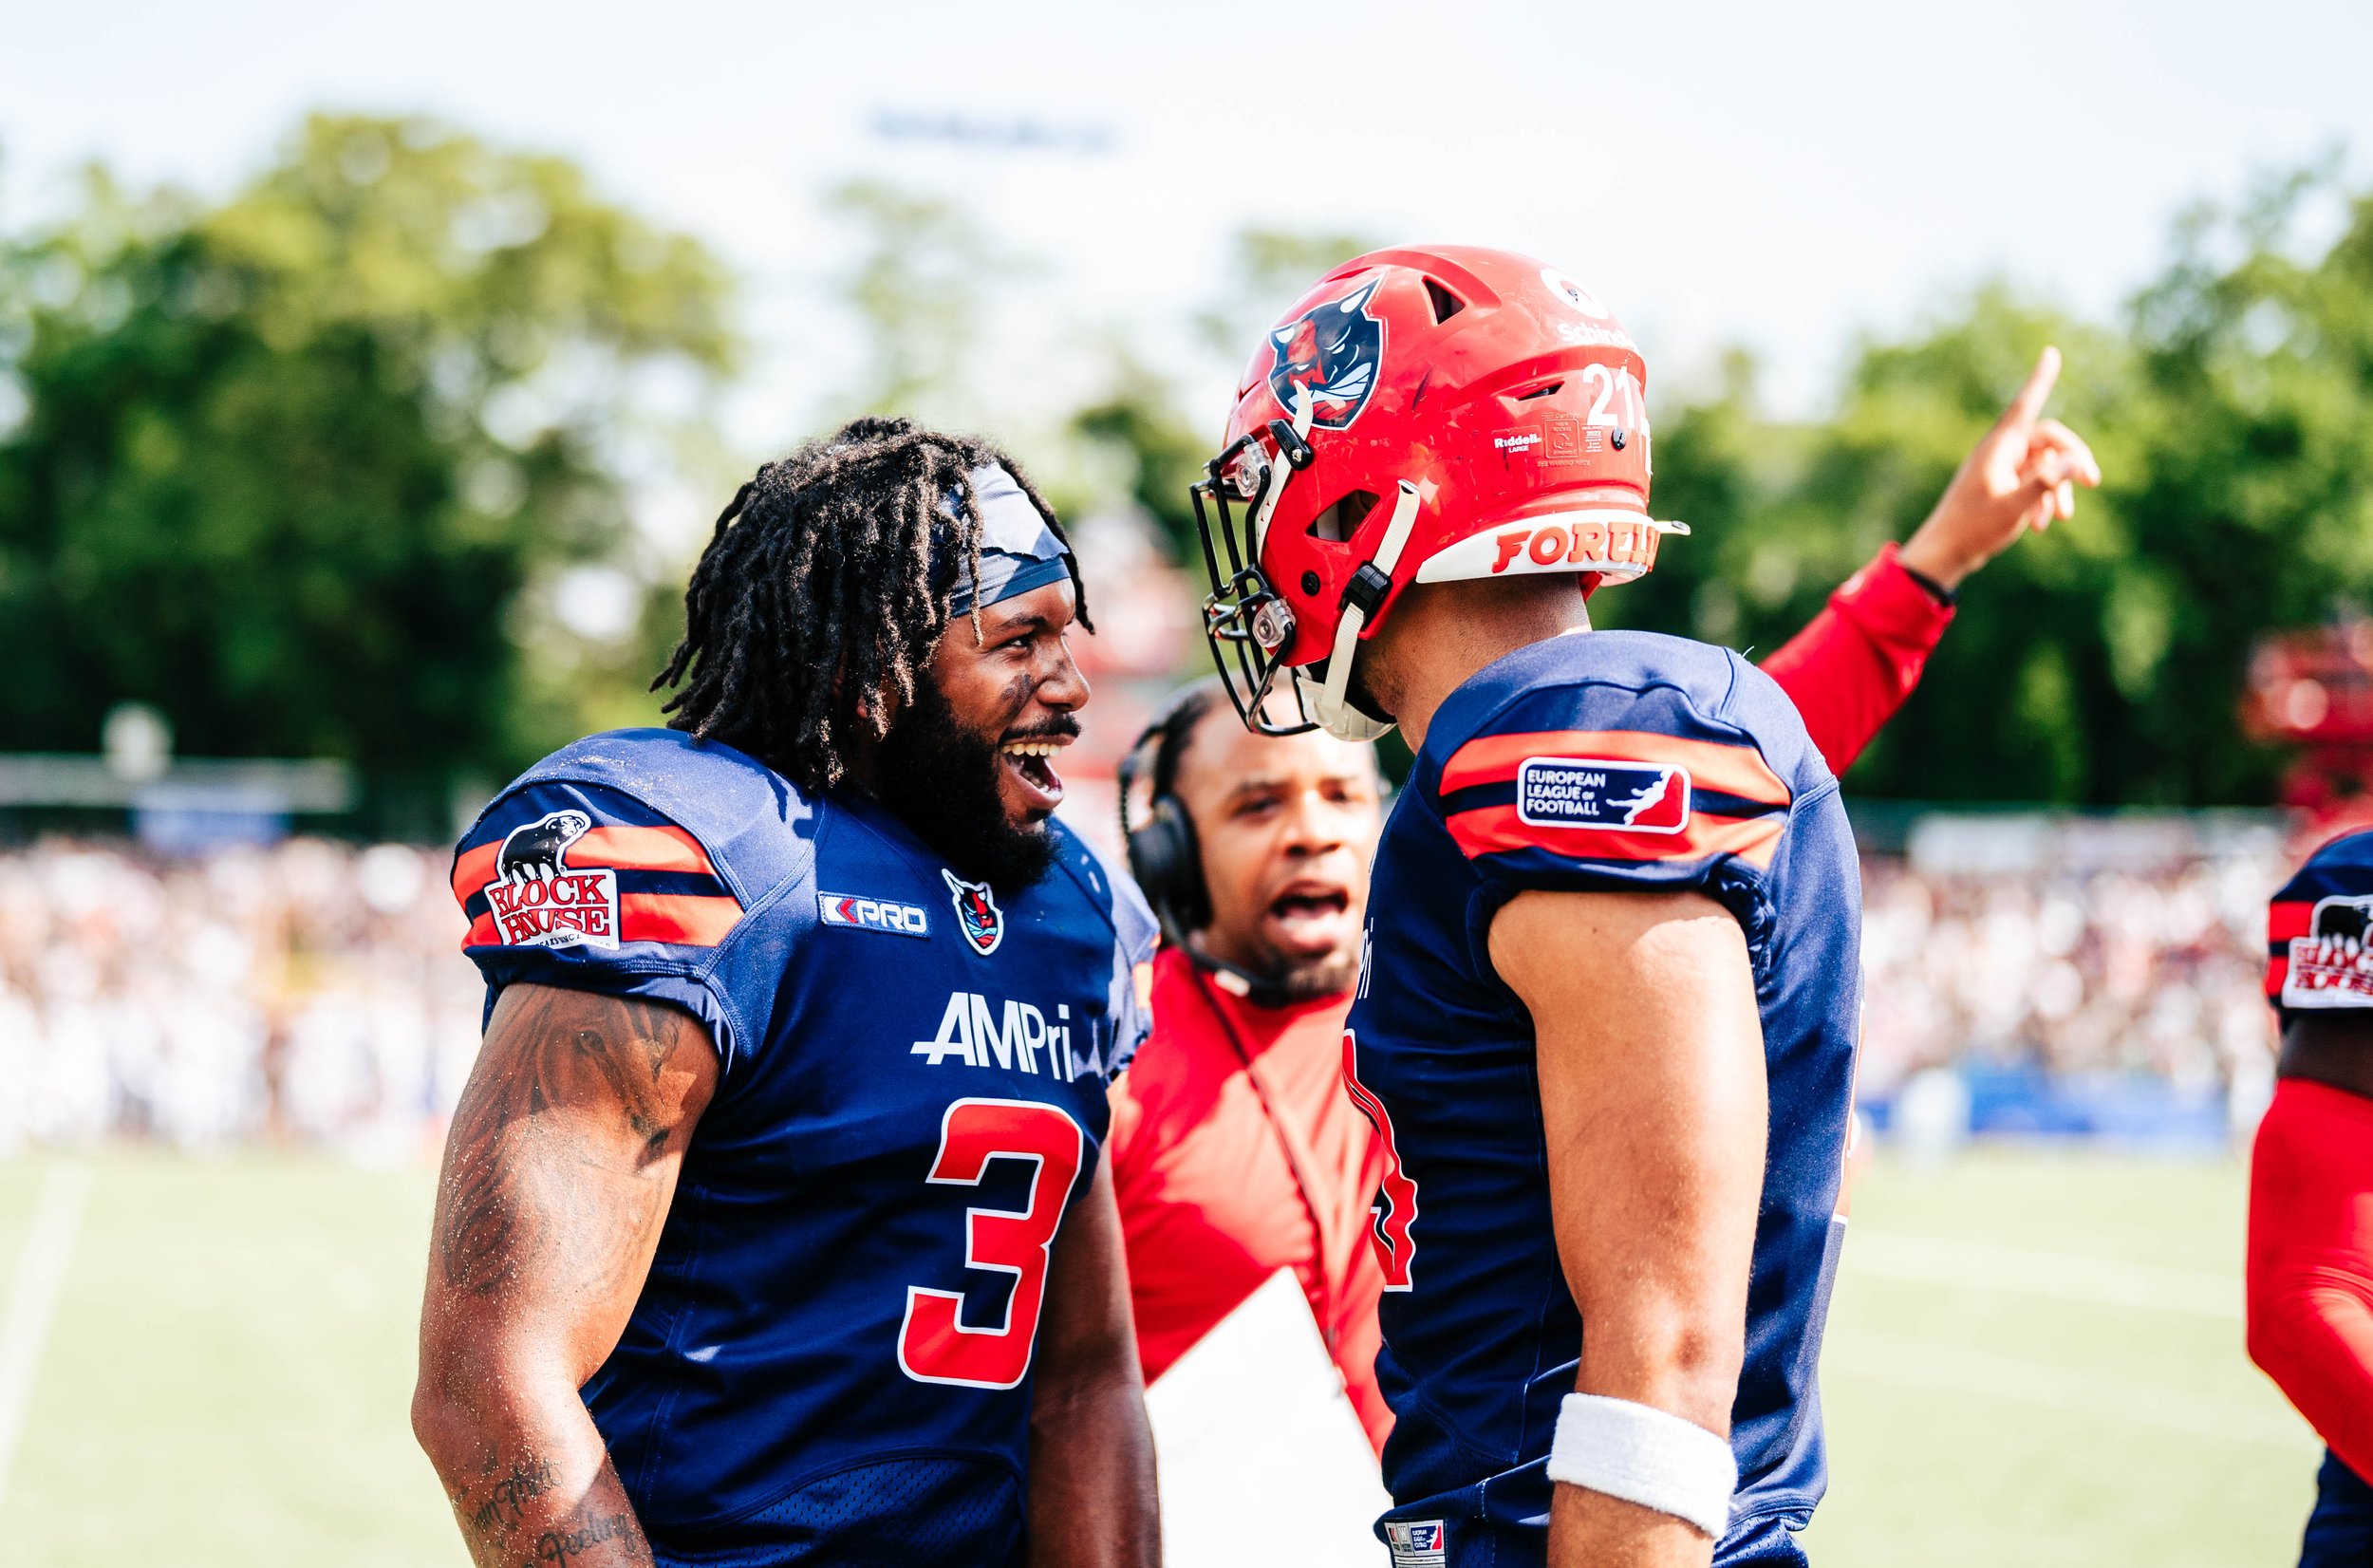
(1332, 352)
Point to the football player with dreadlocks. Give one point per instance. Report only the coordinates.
(1610, 989)
(774, 1223)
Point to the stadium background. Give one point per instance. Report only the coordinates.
(365, 388)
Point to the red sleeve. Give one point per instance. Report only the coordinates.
(1856, 661)
(2310, 1261)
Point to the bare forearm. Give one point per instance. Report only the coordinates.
(1091, 1497)
(1592, 1530)
(1092, 1487)
(530, 1483)
(1668, 1362)
(558, 1175)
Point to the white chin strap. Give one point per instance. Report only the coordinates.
(1327, 702)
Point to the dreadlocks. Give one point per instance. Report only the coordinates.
(826, 582)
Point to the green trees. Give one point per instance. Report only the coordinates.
(286, 468)
(2104, 662)
(304, 469)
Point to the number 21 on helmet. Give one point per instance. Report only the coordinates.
(1432, 415)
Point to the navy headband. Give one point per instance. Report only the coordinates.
(1018, 551)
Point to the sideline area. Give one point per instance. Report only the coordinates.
(2035, 1357)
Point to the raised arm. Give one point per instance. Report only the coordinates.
(1653, 1109)
(1091, 1490)
(1856, 661)
(557, 1177)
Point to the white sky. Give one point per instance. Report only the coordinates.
(1781, 176)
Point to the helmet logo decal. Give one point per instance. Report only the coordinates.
(1332, 354)
(1572, 293)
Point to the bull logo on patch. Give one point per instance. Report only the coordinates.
(538, 851)
(1332, 354)
(977, 914)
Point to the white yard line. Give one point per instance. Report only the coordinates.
(2063, 1275)
(33, 1299)
(1937, 1364)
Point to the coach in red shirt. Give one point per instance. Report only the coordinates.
(1235, 1151)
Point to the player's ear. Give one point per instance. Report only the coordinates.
(877, 709)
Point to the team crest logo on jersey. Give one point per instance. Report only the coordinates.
(977, 914)
(539, 900)
(1581, 792)
(1416, 1543)
(1332, 354)
(2332, 966)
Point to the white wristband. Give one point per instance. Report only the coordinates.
(1647, 1456)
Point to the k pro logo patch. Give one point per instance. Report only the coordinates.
(872, 914)
(1587, 791)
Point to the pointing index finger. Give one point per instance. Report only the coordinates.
(2029, 403)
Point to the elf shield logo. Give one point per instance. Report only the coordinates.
(539, 900)
(977, 914)
(1332, 353)
(1583, 792)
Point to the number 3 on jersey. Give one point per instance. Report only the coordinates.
(934, 1346)
(1396, 1195)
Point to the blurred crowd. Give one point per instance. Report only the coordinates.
(315, 993)
(307, 993)
(2156, 973)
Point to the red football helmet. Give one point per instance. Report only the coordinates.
(1421, 414)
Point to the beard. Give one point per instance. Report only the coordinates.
(1310, 980)
(942, 780)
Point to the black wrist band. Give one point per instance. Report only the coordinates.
(1937, 590)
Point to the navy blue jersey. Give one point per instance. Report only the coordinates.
(1594, 763)
(2319, 930)
(831, 1358)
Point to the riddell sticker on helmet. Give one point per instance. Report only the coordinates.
(1331, 354)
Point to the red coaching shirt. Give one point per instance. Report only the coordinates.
(1235, 1151)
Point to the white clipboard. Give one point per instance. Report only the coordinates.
(1262, 1457)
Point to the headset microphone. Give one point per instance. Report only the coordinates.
(1164, 854)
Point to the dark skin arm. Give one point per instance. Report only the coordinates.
(557, 1177)
(1654, 1105)
(1092, 1492)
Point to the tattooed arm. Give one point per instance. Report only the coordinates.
(557, 1177)
(1092, 1500)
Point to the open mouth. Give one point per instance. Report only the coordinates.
(1307, 912)
(1028, 760)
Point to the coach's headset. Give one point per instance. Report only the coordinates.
(1163, 853)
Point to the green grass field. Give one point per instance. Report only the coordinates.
(2032, 1358)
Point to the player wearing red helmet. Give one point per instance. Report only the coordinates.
(1606, 1017)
